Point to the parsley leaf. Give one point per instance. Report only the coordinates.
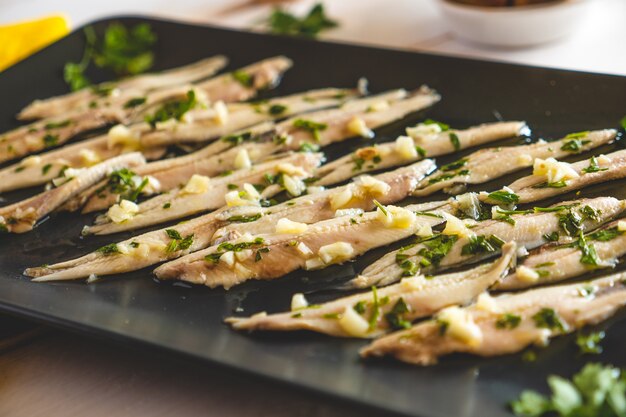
(281, 22)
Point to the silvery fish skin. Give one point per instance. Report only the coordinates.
(312, 208)
(29, 171)
(39, 169)
(487, 164)
(612, 166)
(528, 232)
(124, 89)
(280, 256)
(204, 227)
(20, 217)
(139, 252)
(390, 157)
(422, 298)
(57, 130)
(554, 263)
(178, 204)
(204, 124)
(572, 306)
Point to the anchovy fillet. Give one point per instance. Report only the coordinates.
(57, 130)
(528, 231)
(487, 164)
(387, 155)
(553, 263)
(418, 296)
(514, 322)
(179, 203)
(308, 208)
(128, 88)
(20, 217)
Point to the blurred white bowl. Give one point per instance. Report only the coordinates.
(514, 26)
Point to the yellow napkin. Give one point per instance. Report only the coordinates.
(22, 39)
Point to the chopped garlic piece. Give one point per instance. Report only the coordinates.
(89, 157)
(603, 160)
(358, 127)
(455, 226)
(141, 251)
(461, 326)
(353, 323)
(240, 198)
(251, 191)
(242, 160)
(303, 249)
(31, 161)
(336, 252)
(291, 169)
(405, 147)
(152, 187)
(397, 217)
(469, 204)
(415, 283)
(341, 199)
(487, 303)
(125, 210)
(294, 186)
(424, 132)
(242, 270)
(348, 212)
(287, 226)
(122, 135)
(228, 258)
(244, 255)
(553, 170)
(372, 186)
(527, 274)
(221, 112)
(621, 226)
(298, 302)
(197, 184)
(314, 263)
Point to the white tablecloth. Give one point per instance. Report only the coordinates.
(599, 45)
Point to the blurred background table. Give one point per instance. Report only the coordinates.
(47, 372)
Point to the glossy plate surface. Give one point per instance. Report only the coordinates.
(135, 308)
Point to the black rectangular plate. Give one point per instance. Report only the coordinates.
(135, 308)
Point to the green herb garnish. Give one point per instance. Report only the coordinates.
(547, 318)
(310, 126)
(109, 249)
(395, 316)
(589, 343)
(508, 321)
(174, 109)
(481, 244)
(593, 166)
(134, 102)
(505, 197)
(281, 22)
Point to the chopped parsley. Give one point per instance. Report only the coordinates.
(109, 249)
(134, 102)
(57, 125)
(167, 205)
(589, 343)
(453, 166)
(177, 241)
(45, 169)
(174, 109)
(508, 321)
(597, 390)
(308, 147)
(555, 184)
(50, 140)
(310, 126)
(575, 144)
(243, 78)
(547, 318)
(437, 247)
(593, 166)
(395, 316)
(375, 313)
(259, 254)
(237, 139)
(456, 143)
(281, 22)
(551, 237)
(124, 51)
(277, 109)
(588, 251)
(605, 235)
(505, 197)
(442, 126)
(481, 244)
